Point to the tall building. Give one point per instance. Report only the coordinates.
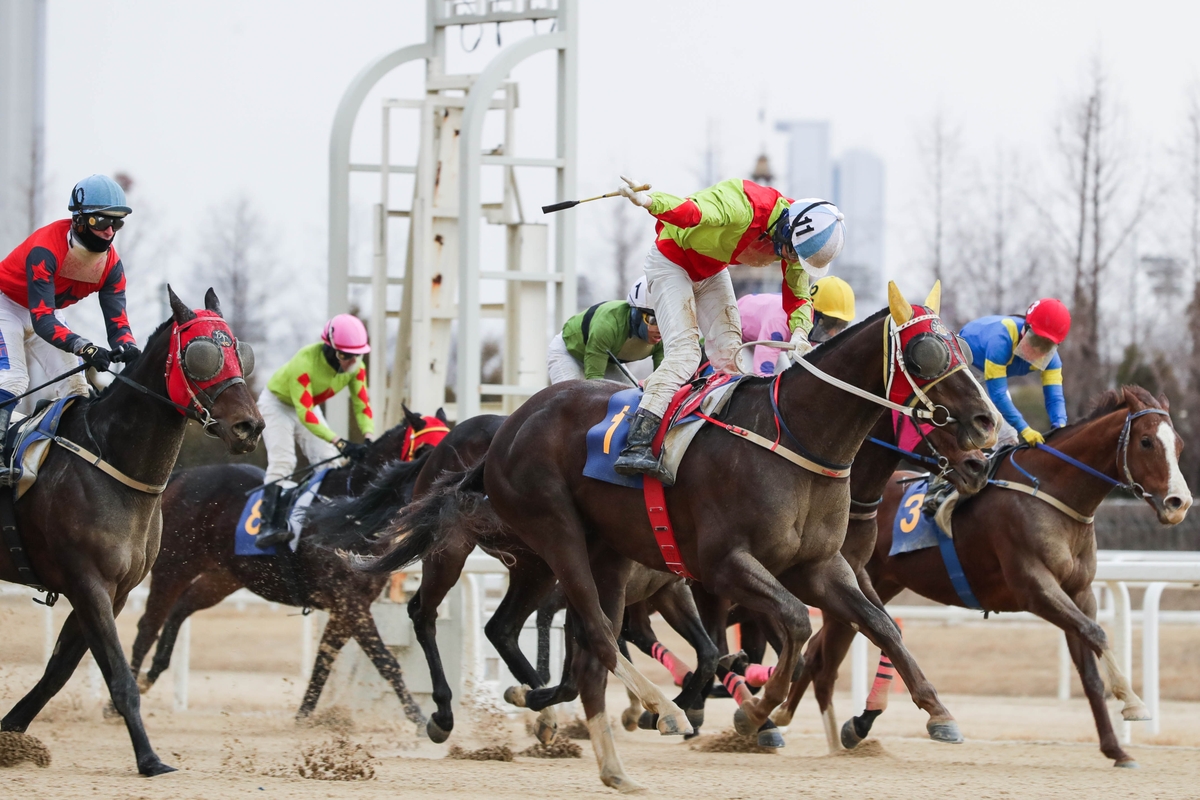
(22, 82)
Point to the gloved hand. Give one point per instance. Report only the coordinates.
(95, 356)
(352, 450)
(642, 199)
(1032, 437)
(801, 345)
(126, 353)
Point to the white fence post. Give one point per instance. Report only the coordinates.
(306, 647)
(48, 621)
(858, 674)
(1064, 669)
(181, 666)
(1150, 693)
(1122, 643)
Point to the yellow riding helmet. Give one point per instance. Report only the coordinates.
(833, 297)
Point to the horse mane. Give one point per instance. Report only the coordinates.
(151, 343)
(1107, 402)
(350, 522)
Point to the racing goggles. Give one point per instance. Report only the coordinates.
(825, 328)
(647, 316)
(1035, 350)
(204, 357)
(102, 222)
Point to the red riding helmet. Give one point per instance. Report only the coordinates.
(1049, 319)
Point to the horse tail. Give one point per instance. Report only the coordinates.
(455, 500)
(353, 522)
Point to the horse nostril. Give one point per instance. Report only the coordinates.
(1173, 503)
(977, 466)
(244, 429)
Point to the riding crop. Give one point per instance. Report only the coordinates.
(621, 367)
(64, 376)
(550, 209)
(301, 471)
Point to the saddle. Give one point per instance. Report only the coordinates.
(296, 502)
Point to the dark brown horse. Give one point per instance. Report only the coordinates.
(197, 567)
(92, 538)
(742, 514)
(1021, 553)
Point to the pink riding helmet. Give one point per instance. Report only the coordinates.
(346, 333)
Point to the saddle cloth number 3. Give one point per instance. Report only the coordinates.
(912, 512)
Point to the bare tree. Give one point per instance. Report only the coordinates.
(236, 261)
(1189, 175)
(626, 237)
(939, 146)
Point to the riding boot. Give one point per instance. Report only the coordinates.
(8, 477)
(272, 532)
(637, 457)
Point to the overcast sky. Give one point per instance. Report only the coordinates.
(205, 102)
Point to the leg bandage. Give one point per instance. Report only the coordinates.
(877, 699)
(736, 685)
(758, 675)
(679, 670)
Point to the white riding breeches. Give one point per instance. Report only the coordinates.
(686, 310)
(18, 341)
(563, 366)
(283, 432)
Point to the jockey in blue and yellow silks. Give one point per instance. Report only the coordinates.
(1003, 346)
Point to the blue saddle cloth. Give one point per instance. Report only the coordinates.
(250, 523)
(40, 426)
(606, 439)
(913, 530)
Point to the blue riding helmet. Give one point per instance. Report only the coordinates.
(98, 194)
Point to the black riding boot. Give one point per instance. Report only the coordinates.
(8, 477)
(272, 532)
(637, 458)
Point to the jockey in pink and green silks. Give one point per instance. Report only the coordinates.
(733, 222)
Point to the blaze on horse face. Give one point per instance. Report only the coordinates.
(1151, 459)
(235, 416)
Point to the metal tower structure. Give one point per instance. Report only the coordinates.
(441, 280)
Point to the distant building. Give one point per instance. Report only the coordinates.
(22, 84)
(856, 183)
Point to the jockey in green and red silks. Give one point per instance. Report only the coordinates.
(1004, 346)
(57, 266)
(733, 222)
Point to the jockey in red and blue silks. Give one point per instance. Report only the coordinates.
(1002, 346)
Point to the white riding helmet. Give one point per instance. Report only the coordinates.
(639, 294)
(817, 234)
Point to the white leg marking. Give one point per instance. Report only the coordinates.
(832, 732)
(611, 772)
(1134, 708)
(671, 718)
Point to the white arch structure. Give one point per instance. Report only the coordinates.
(480, 89)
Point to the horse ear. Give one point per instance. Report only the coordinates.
(901, 310)
(415, 420)
(934, 301)
(179, 310)
(441, 414)
(212, 303)
(1132, 402)
(1164, 401)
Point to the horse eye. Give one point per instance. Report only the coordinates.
(1147, 442)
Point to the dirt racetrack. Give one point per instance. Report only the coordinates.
(239, 739)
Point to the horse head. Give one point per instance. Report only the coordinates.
(966, 469)
(926, 364)
(206, 369)
(423, 433)
(1148, 455)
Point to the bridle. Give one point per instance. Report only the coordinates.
(412, 437)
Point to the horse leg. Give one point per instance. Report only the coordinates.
(674, 601)
(337, 631)
(165, 589)
(67, 653)
(205, 592)
(439, 572)
(545, 618)
(529, 579)
(631, 716)
(832, 586)
(366, 633)
(742, 579)
(99, 625)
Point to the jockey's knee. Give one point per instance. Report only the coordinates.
(684, 356)
(13, 384)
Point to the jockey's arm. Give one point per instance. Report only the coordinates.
(40, 266)
(1052, 392)
(360, 402)
(995, 378)
(307, 410)
(797, 298)
(112, 305)
(608, 330)
(717, 206)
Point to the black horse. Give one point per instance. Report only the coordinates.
(92, 538)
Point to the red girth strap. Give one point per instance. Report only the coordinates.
(660, 523)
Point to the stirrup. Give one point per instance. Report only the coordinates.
(272, 538)
(9, 477)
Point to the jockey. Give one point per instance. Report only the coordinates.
(1013, 345)
(763, 319)
(733, 222)
(290, 406)
(57, 266)
(626, 328)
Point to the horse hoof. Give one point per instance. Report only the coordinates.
(648, 721)
(742, 723)
(1135, 713)
(687, 737)
(435, 732)
(695, 716)
(673, 724)
(144, 683)
(516, 695)
(629, 719)
(782, 717)
(1130, 764)
(545, 729)
(622, 784)
(947, 732)
(157, 768)
(770, 737)
(850, 737)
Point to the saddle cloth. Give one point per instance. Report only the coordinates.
(913, 529)
(250, 523)
(29, 441)
(606, 439)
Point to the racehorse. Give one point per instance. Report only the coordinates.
(742, 515)
(92, 536)
(197, 567)
(353, 523)
(1038, 553)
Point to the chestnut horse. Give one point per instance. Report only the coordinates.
(761, 529)
(1021, 553)
(93, 538)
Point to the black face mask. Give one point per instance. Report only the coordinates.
(88, 238)
(331, 357)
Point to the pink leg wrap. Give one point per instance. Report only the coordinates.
(679, 670)
(736, 685)
(757, 674)
(878, 698)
